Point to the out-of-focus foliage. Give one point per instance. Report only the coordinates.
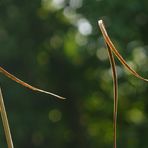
(56, 44)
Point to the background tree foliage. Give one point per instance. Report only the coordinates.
(56, 44)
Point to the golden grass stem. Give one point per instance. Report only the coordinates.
(111, 48)
(115, 89)
(12, 77)
(5, 122)
(115, 51)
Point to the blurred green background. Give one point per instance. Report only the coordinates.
(57, 46)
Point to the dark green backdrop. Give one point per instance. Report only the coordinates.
(57, 45)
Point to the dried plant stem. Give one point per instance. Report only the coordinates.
(5, 122)
(115, 83)
(12, 77)
(115, 51)
(115, 89)
(111, 48)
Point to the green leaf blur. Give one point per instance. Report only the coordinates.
(56, 45)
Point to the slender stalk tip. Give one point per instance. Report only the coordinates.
(12, 77)
(57, 96)
(100, 22)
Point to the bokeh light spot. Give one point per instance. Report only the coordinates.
(84, 27)
(55, 115)
(135, 115)
(37, 138)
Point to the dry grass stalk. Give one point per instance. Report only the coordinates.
(111, 48)
(5, 122)
(2, 106)
(12, 77)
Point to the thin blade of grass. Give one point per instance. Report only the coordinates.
(5, 122)
(114, 50)
(115, 87)
(111, 48)
(12, 77)
(115, 90)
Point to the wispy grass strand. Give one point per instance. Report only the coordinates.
(12, 77)
(111, 49)
(5, 122)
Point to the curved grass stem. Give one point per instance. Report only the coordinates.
(115, 51)
(111, 49)
(5, 122)
(12, 77)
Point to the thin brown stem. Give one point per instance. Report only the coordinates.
(115, 87)
(114, 50)
(5, 122)
(111, 48)
(12, 77)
